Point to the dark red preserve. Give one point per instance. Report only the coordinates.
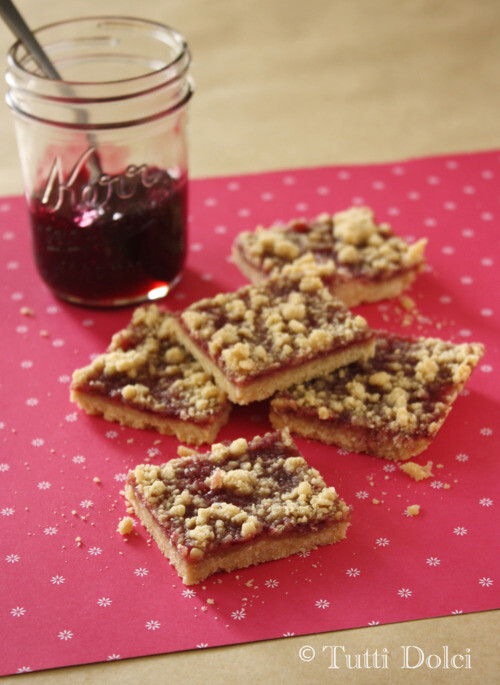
(113, 240)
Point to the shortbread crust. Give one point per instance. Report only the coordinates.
(265, 337)
(366, 261)
(146, 379)
(238, 505)
(391, 405)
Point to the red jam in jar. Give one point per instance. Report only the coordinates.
(120, 238)
(103, 151)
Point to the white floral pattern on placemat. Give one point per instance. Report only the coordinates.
(101, 597)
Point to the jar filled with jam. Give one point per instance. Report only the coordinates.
(103, 151)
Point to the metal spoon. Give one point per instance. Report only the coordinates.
(20, 29)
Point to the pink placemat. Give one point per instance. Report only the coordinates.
(64, 603)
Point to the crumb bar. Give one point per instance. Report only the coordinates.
(146, 379)
(265, 337)
(240, 504)
(363, 261)
(391, 405)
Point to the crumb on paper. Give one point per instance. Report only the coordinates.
(413, 510)
(446, 486)
(44, 333)
(407, 303)
(96, 479)
(78, 541)
(375, 501)
(125, 526)
(416, 471)
(210, 601)
(27, 311)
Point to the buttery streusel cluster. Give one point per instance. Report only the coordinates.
(235, 492)
(285, 320)
(407, 386)
(147, 368)
(350, 242)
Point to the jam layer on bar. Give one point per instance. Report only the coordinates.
(273, 327)
(353, 247)
(234, 496)
(145, 369)
(390, 405)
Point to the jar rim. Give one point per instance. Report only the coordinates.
(16, 66)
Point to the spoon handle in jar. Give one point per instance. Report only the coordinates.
(20, 29)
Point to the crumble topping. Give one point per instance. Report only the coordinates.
(407, 386)
(235, 492)
(145, 367)
(285, 320)
(348, 242)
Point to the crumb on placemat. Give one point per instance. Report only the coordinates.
(413, 509)
(125, 526)
(417, 471)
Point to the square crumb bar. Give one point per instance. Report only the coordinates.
(265, 337)
(364, 261)
(391, 405)
(146, 379)
(240, 504)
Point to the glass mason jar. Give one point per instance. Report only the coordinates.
(103, 153)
